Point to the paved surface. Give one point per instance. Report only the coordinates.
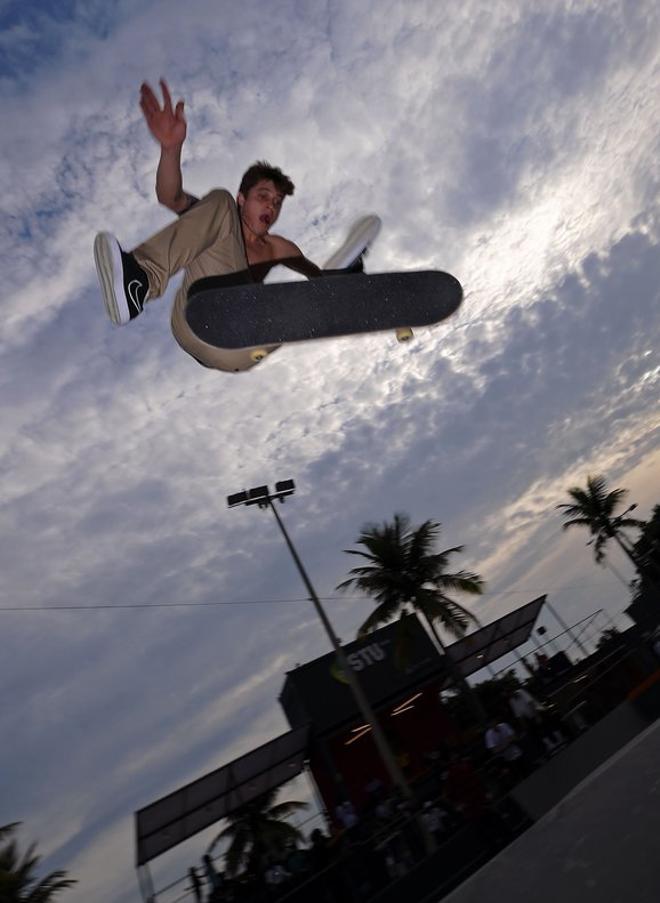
(600, 844)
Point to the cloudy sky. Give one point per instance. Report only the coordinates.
(146, 628)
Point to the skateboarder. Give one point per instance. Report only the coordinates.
(212, 237)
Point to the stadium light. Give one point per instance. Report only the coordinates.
(261, 496)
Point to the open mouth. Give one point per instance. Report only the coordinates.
(265, 219)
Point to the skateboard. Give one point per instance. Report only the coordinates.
(349, 257)
(249, 321)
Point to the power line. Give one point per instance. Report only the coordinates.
(124, 605)
(109, 606)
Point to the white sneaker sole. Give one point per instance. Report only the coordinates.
(107, 256)
(361, 235)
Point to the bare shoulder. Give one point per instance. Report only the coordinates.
(282, 247)
(290, 255)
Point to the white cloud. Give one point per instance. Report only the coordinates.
(514, 147)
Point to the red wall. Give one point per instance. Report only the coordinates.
(411, 733)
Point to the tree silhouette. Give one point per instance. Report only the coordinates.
(404, 574)
(18, 882)
(258, 831)
(647, 550)
(646, 587)
(594, 508)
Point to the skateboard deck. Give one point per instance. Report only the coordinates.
(253, 319)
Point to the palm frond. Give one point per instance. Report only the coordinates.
(450, 614)
(382, 614)
(462, 581)
(8, 829)
(18, 881)
(255, 828)
(576, 520)
(420, 541)
(401, 569)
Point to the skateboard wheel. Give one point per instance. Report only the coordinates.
(258, 354)
(404, 334)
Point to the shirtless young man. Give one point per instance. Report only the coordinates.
(213, 236)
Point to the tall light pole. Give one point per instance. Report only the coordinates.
(261, 496)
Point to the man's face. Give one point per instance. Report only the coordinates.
(261, 206)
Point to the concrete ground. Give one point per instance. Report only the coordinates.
(600, 844)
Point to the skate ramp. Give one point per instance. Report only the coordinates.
(600, 844)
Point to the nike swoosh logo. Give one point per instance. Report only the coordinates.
(132, 291)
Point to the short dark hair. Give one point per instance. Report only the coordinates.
(263, 170)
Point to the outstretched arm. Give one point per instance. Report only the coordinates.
(302, 264)
(168, 126)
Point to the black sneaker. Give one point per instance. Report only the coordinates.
(124, 284)
(357, 266)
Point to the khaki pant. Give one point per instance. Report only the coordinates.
(207, 241)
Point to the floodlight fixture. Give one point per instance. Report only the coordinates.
(284, 488)
(261, 495)
(287, 486)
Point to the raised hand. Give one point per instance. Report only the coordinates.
(167, 125)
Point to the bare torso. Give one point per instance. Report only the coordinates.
(274, 250)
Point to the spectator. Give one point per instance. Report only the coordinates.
(655, 644)
(464, 788)
(501, 741)
(330, 886)
(374, 793)
(532, 717)
(346, 815)
(297, 861)
(385, 809)
(523, 705)
(435, 819)
(468, 794)
(319, 850)
(276, 874)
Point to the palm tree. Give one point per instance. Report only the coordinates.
(594, 508)
(404, 574)
(258, 830)
(18, 883)
(647, 548)
(647, 554)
